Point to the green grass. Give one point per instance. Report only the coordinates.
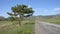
(27, 28)
(55, 21)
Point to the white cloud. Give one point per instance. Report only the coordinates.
(56, 9)
(46, 11)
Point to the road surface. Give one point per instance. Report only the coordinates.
(46, 28)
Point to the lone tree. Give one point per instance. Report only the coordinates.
(20, 12)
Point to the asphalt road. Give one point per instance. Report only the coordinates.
(46, 28)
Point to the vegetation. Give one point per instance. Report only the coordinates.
(55, 21)
(7, 27)
(18, 24)
(20, 12)
(52, 18)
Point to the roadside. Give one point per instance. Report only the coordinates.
(46, 28)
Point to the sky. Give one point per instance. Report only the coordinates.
(41, 7)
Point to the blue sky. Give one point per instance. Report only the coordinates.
(41, 7)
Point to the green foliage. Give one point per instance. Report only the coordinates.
(11, 18)
(22, 11)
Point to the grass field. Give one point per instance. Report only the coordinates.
(55, 21)
(7, 27)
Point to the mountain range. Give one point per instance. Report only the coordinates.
(57, 16)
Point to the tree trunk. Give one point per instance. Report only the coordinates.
(20, 19)
(19, 22)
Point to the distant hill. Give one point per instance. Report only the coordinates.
(57, 16)
(32, 18)
(2, 18)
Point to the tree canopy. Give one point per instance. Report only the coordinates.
(21, 11)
